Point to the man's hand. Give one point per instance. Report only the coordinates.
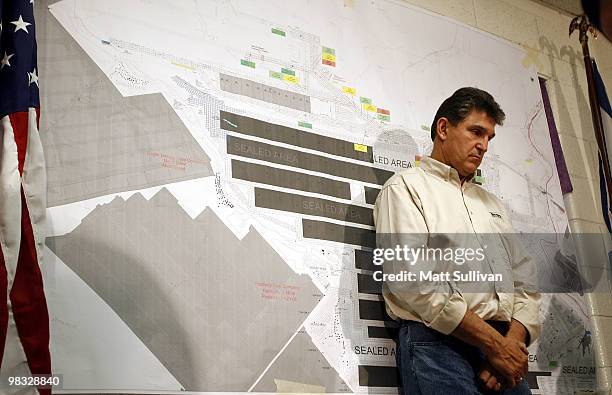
(509, 357)
(517, 331)
(489, 378)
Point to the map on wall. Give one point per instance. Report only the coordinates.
(213, 166)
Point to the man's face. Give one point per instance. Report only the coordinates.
(467, 142)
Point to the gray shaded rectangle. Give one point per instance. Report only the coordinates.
(373, 310)
(289, 157)
(363, 260)
(247, 88)
(367, 285)
(97, 142)
(296, 101)
(267, 96)
(307, 103)
(267, 93)
(289, 179)
(308, 205)
(257, 92)
(285, 99)
(225, 83)
(378, 376)
(382, 332)
(339, 233)
(371, 194)
(274, 95)
(284, 134)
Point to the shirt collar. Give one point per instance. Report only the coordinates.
(442, 170)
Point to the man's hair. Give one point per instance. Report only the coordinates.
(457, 107)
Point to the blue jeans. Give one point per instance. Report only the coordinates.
(430, 363)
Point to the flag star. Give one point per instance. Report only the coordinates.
(5, 60)
(33, 77)
(21, 25)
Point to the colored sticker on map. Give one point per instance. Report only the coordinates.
(360, 147)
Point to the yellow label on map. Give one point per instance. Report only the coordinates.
(369, 107)
(183, 66)
(350, 91)
(291, 78)
(328, 56)
(360, 147)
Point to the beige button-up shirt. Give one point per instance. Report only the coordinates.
(430, 199)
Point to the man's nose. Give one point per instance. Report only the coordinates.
(483, 144)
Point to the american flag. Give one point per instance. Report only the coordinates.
(24, 320)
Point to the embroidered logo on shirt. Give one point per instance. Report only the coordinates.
(495, 215)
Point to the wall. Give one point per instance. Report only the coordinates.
(543, 33)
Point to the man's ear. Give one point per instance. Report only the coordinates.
(442, 128)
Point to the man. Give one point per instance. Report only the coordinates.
(451, 341)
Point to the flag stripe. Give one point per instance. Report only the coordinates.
(604, 195)
(34, 183)
(606, 113)
(19, 121)
(602, 97)
(24, 322)
(10, 201)
(28, 301)
(3, 302)
(14, 360)
(27, 295)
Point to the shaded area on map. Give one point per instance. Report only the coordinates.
(214, 309)
(98, 142)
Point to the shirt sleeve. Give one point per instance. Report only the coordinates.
(526, 308)
(399, 221)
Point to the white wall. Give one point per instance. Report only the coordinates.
(543, 33)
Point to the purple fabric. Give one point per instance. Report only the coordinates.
(564, 177)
